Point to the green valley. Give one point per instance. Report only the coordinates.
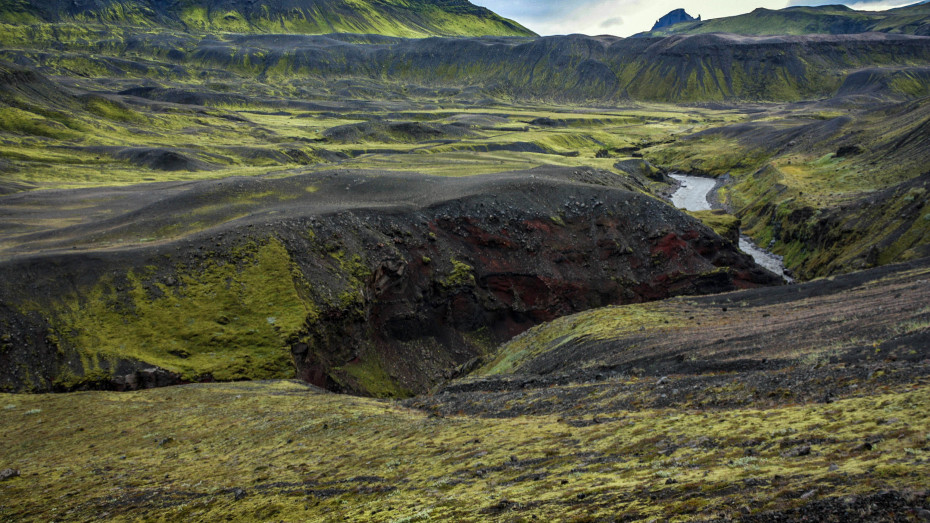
(401, 260)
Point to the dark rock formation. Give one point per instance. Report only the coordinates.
(6, 474)
(674, 17)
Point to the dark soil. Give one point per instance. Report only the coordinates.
(388, 132)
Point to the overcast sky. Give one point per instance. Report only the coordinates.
(626, 17)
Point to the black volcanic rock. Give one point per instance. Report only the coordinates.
(674, 17)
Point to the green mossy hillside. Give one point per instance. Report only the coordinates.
(835, 190)
(406, 18)
(224, 320)
(724, 224)
(710, 155)
(599, 324)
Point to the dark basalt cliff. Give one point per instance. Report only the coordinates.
(370, 283)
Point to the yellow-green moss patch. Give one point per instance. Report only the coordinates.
(229, 319)
(279, 450)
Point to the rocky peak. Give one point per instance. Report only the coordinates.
(674, 17)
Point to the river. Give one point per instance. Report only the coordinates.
(692, 195)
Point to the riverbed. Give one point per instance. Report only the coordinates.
(693, 195)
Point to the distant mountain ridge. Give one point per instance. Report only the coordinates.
(404, 18)
(801, 20)
(695, 68)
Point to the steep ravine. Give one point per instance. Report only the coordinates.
(372, 283)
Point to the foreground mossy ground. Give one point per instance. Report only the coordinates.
(283, 451)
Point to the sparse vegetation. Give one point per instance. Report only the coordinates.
(279, 450)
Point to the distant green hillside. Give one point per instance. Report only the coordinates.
(827, 19)
(406, 18)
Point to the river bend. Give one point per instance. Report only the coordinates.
(693, 194)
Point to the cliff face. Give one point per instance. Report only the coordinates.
(375, 284)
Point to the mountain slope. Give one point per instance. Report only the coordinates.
(408, 18)
(827, 19)
(575, 68)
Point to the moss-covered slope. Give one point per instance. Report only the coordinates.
(875, 318)
(567, 68)
(415, 18)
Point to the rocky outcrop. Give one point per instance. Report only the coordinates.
(395, 280)
(674, 17)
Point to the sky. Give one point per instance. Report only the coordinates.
(627, 17)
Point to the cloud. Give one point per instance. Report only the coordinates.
(611, 22)
(619, 17)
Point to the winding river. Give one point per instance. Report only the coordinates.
(693, 195)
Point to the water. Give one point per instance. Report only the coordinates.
(692, 195)
(772, 262)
